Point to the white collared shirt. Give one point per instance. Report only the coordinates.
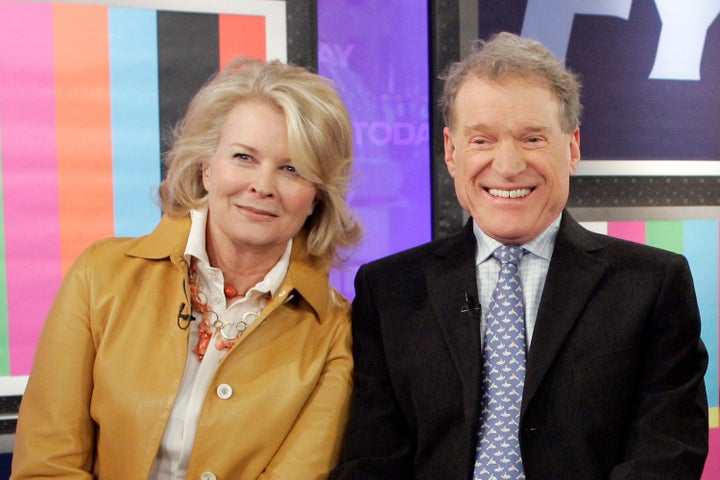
(179, 437)
(533, 270)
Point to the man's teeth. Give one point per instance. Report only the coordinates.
(519, 193)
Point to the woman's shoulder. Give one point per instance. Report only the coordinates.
(110, 249)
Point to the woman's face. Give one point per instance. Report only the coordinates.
(256, 197)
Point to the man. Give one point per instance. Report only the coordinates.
(609, 372)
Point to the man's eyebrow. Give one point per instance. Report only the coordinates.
(475, 127)
(479, 126)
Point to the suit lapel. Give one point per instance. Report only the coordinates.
(571, 280)
(450, 275)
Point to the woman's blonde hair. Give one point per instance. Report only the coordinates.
(319, 143)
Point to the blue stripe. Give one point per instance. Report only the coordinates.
(701, 250)
(135, 119)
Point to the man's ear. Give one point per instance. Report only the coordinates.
(449, 146)
(574, 150)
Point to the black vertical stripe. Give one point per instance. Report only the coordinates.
(188, 54)
(302, 33)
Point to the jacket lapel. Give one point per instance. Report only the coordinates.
(571, 280)
(450, 275)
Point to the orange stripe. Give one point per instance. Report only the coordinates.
(83, 127)
(241, 35)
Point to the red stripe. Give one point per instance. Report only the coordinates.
(241, 35)
(83, 127)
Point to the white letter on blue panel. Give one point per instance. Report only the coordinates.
(682, 38)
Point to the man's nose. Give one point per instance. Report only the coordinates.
(509, 160)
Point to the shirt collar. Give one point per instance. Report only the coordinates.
(541, 246)
(196, 248)
(196, 238)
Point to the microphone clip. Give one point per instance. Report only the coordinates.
(471, 307)
(184, 319)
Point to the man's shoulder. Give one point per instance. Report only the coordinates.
(623, 247)
(432, 251)
(620, 254)
(572, 233)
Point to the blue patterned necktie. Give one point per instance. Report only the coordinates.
(498, 453)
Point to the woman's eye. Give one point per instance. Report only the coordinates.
(242, 156)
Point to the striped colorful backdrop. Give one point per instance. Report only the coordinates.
(87, 93)
(698, 240)
(87, 96)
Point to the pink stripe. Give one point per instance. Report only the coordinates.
(29, 162)
(712, 464)
(633, 231)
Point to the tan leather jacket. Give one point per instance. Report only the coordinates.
(111, 357)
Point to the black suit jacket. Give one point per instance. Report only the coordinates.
(614, 384)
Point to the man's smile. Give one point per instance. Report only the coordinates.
(517, 193)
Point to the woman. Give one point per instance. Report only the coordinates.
(213, 347)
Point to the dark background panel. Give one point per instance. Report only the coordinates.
(629, 116)
(651, 191)
(188, 55)
(444, 49)
(302, 33)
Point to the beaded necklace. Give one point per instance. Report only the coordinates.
(210, 324)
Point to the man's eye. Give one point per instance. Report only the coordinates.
(481, 144)
(535, 141)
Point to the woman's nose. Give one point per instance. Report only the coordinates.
(263, 182)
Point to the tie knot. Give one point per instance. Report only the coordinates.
(509, 254)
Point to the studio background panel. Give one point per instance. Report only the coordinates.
(30, 176)
(135, 118)
(88, 94)
(383, 78)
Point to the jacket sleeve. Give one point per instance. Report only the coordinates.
(312, 446)
(377, 442)
(55, 432)
(668, 434)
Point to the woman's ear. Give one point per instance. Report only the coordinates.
(205, 175)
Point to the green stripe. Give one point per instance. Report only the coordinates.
(667, 235)
(4, 335)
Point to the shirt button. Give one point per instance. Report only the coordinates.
(224, 391)
(208, 476)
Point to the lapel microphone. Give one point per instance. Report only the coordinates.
(471, 307)
(184, 319)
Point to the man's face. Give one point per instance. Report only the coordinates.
(509, 158)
